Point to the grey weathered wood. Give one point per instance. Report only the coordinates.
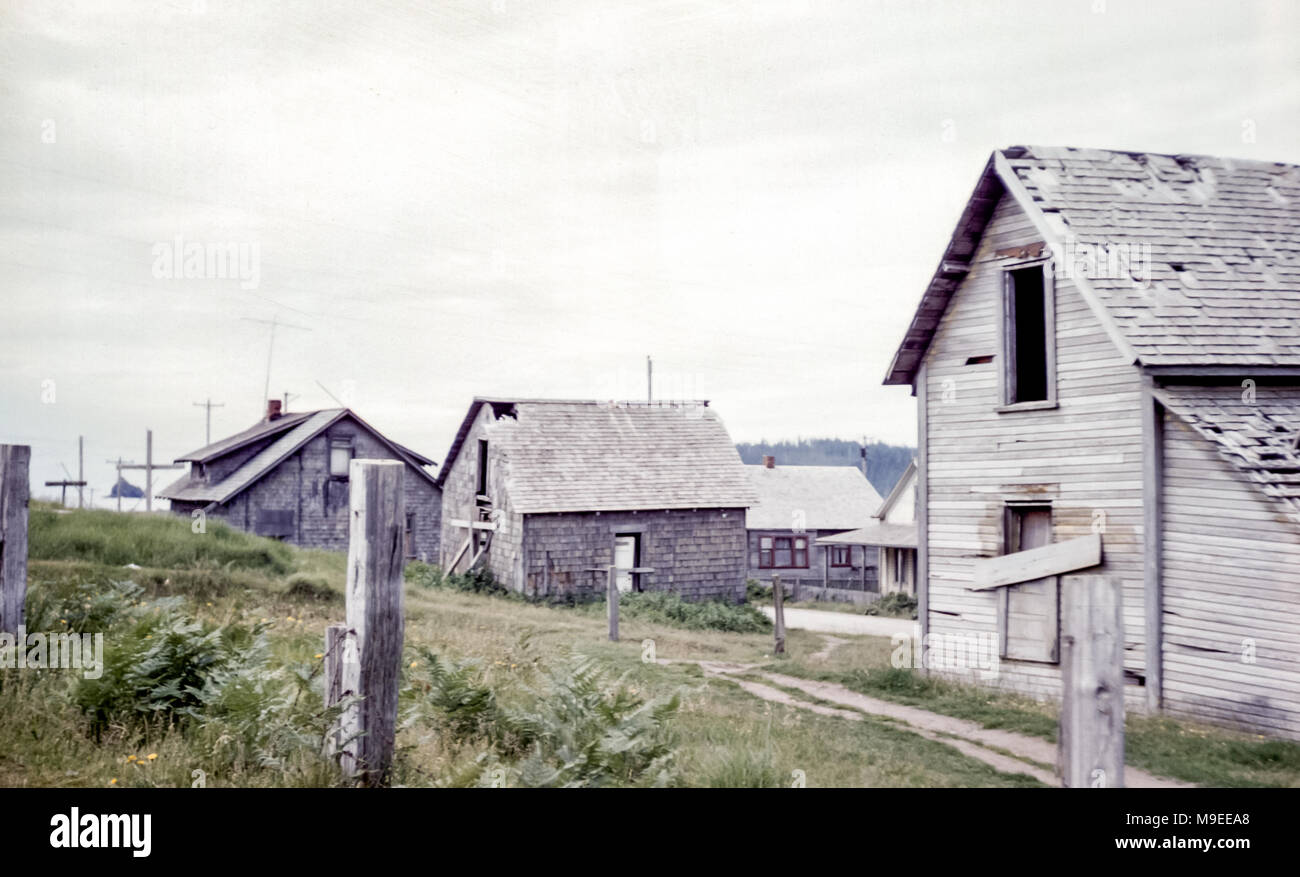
(374, 616)
(335, 640)
(1153, 466)
(778, 614)
(15, 461)
(1092, 666)
(1036, 563)
(611, 601)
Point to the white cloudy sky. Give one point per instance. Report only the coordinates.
(498, 197)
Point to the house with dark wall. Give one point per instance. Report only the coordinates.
(797, 505)
(891, 536)
(1110, 348)
(546, 494)
(286, 477)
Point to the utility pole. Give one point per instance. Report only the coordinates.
(81, 469)
(209, 405)
(864, 456)
(270, 348)
(649, 379)
(148, 467)
(117, 487)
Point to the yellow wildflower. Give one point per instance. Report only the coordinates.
(153, 756)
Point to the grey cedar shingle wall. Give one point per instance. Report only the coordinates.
(458, 492)
(848, 577)
(300, 491)
(699, 554)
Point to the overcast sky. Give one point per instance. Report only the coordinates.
(492, 197)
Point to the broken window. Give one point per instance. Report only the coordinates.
(1028, 336)
(482, 467)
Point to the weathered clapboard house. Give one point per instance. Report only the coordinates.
(797, 505)
(547, 494)
(286, 477)
(1107, 362)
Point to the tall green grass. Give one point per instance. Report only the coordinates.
(161, 541)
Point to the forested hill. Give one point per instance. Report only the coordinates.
(885, 463)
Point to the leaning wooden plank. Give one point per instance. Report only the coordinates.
(1036, 563)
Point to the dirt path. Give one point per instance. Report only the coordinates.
(1005, 751)
(844, 622)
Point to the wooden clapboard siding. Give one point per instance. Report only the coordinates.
(1083, 457)
(1231, 574)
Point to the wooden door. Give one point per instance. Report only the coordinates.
(1030, 610)
(626, 549)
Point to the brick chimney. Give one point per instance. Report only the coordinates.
(769, 461)
(272, 409)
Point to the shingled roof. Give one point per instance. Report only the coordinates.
(824, 498)
(300, 428)
(1257, 437)
(580, 456)
(1209, 249)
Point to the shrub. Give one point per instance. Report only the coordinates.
(897, 605)
(312, 586)
(670, 608)
(167, 666)
(575, 729)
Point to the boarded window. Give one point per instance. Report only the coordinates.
(1028, 336)
(276, 523)
(340, 457)
(1029, 613)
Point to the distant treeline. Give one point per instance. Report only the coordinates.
(885, 463)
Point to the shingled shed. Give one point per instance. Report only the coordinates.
(286, 477)
(545, 494)
(1108, 355)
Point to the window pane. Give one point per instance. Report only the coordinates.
(765, 542)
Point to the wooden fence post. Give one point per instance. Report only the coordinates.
(335, 642)
(778, 614)
(15, 461)
(1092, 667)
(375, 624)
(611, 602)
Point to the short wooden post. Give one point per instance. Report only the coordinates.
(611, 602)
(778, 614)
(374, 617)
(15, 460)
(335, 639)
(1092, 666)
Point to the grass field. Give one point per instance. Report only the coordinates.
(494, 687)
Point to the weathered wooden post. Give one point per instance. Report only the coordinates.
(375, 624)
(1092, 665)
(335, 642)
(611, 602)
(15, 461)
(778, 614)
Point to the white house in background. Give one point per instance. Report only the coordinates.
(892, 534)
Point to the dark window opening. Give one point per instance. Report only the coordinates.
(1027, 336)
(410, 534)
(482, 467)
